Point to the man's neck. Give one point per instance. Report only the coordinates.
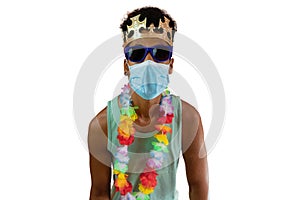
(146, 108)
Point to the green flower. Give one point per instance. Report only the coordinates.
(141, 196)
(160, 147)
(121, 167)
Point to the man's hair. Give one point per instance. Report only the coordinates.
(153, 15)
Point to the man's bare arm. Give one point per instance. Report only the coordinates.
(194, 153)
(100, 158)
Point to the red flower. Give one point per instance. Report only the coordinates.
(169, 118)
(125, 141)
(124, 190)
(166, 119)
(148, 179)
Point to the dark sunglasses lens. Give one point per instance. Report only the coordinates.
(161, 54)
(136, 55)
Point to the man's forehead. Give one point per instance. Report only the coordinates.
(148, 42)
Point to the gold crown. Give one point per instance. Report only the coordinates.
(138, 30)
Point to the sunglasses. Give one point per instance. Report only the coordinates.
(159, 53)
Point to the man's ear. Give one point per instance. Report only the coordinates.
(126, 69)
(171, 66)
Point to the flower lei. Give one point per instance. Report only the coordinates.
(126, 137)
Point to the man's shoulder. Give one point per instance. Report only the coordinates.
(99, 122)
(191, 122)
(97, 136)
(189, 112)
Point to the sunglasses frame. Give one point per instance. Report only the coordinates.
(149, 49)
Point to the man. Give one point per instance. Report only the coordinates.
(145, 127)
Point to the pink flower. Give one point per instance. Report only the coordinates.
(154, 163)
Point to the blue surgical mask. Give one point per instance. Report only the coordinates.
(149, 79)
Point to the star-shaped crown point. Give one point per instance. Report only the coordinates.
(136, 25)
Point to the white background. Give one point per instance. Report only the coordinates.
(254, 45)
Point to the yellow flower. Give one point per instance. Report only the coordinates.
(134, 117)
(121, 180)
(145, 190)
(162, 138)
(125, 126)
(126, 119)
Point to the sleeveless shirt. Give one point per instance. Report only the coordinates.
(138, 152)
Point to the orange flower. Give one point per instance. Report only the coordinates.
(123, 134)
(163, 129)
